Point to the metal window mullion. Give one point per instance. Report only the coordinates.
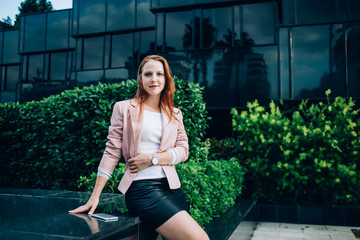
(201, 19)
(290, 46)
(46, 30)
(346, 62)
(233, 25)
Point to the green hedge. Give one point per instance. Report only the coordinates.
(50, 143)
(210, 186)
(311, 156)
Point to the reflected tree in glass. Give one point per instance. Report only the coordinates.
(253, 74)
(353, 44)
(200, 58)
(334, 75)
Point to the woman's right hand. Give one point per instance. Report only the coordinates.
(91, 205)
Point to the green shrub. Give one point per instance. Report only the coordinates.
(311, 156)
(210, 186)
(50, 143)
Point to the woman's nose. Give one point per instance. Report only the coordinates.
(153, 78)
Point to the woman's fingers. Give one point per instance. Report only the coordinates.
(92, 210)
(93, 206)
(80, 209)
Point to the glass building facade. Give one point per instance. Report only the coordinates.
(238, 50)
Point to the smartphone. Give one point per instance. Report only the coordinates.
(105, 217)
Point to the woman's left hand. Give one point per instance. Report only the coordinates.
(140, 162)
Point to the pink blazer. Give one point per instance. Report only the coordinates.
(124, 139)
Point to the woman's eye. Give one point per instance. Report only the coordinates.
(160, 74)
(147, 74)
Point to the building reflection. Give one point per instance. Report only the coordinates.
(239, 51)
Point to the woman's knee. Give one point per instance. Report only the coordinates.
(182, 226)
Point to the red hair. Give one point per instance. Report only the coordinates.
(167, 94)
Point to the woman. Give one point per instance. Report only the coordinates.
(148, 131)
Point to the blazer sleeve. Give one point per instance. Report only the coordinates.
(182, 142)
(112, 152)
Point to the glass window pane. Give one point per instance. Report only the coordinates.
(116, 75)
(212, 69)
(353, 9)
(340, 10)
(75, 16)
(145, 18)
(217, 27)
(159, 31)
(7, 97)
(310, 11)
(258, 74)
(22, 34)
(237, 24)
(78, 56)
(172, 3)
(1, 46)
(353, 44)
(36, 68)
(107, 51)
(58, 30)
(259, 29)
(93, 53)
(1, 79)
(86, 78)
(10, 52)
(58, 67)
(288, 11)
(284, 63)
(147, 41)
(35, 32)
(12, 77)
(179, 30)
(91, 16)
(122, 50)
(317, 61)
(120, 14)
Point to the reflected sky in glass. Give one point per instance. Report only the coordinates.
(35, 27)
(93, 53)
(176, 28)
(122, 50)
(145, 18)
(12, 77)
(10, 51)
(258, 20)
(217, 26)
(36, 68)
(91, 16)
(58, 66)
(57, 30)
(313, 61)
(120, 14)
(353, 44)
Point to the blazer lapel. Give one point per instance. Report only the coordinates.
(167, 130)
(136, 126)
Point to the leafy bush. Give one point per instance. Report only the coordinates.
(311, 156)
(210, 186)
(50, 143)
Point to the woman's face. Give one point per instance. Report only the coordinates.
(153, 77)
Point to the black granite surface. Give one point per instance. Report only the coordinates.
(223, 226)
(43, 214)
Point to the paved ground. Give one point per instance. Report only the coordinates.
(288, 231)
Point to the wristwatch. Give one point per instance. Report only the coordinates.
(154, 160)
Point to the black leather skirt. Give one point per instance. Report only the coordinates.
(154, 201)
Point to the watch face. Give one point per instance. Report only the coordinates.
(155, 161)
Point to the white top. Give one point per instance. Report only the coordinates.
(150, 143)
